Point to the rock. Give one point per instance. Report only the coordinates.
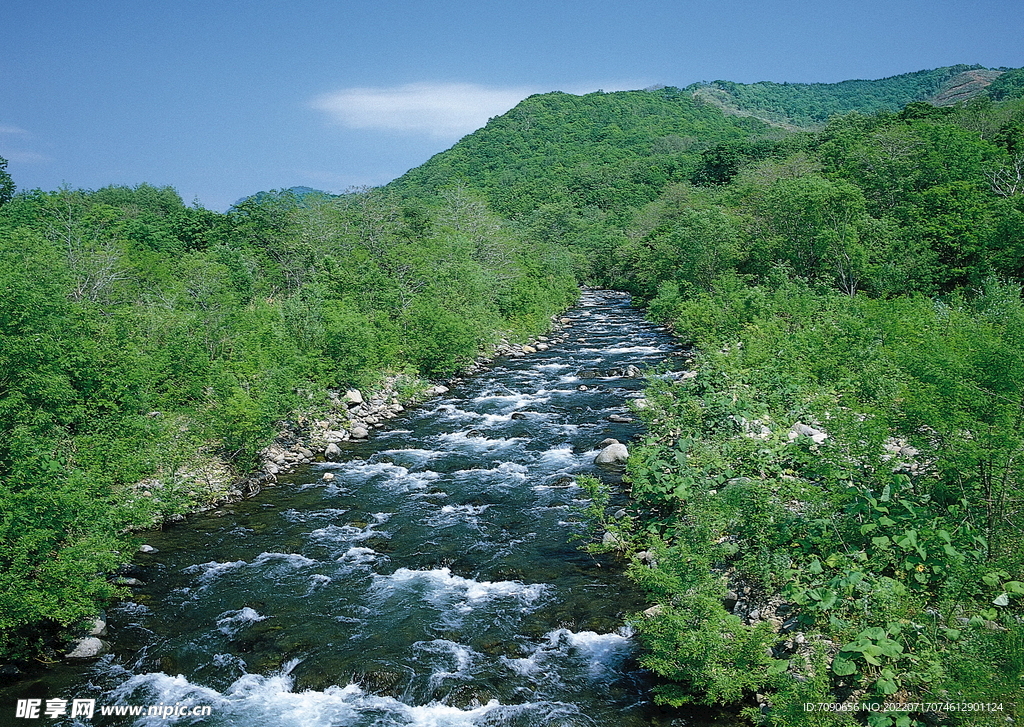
(613, 539)
(529, 349)
(270, 468)
(632, 372)
(518, 415)
(800, 429)
(332, 453)
(653, 611)
(542, 346)
(327, 476)
(563, 321)
(99, 626)
(128, 582)
(353, 397)
(612, 454)
(620, 418)
(360, 433)
(147, 549)
(87, 647)
(641, 403)
(605, 442)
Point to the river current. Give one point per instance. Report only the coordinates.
(434, 581)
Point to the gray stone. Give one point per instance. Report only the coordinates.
(613, 539)
(612, 454)
(353, 397)
(360, 433)
(147, 549)
(87, 647)
(332, 452)
(99, 626)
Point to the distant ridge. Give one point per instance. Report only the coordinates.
(302, 196)
(809, 105)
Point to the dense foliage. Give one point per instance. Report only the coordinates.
(140, 337)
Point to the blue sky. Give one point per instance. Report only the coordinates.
(223, 98)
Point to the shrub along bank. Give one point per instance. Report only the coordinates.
(827, 507)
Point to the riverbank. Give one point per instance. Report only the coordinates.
(812, 516)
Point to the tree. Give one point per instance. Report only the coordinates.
(6, 183)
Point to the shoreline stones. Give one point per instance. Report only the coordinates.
(354, 413)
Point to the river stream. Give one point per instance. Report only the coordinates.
(434, 581)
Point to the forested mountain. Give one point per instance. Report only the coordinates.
(828, 506)
(608, 151)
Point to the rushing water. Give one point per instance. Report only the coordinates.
(434, 581)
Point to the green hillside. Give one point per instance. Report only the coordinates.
(607, 150)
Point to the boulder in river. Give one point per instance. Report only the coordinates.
(87, 647)
(612, 454)
(332, 453)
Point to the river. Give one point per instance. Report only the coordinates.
(434, 581)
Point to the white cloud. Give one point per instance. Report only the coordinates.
(442, 110)
(24, 157)
(11, 130)
(446, 110)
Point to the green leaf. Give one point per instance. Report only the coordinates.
(843, 667)
(1002, 599)
(890, 648)
(778, 666)
(874, 633)
(991, 579)
(887, 685)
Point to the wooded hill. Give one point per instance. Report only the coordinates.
(827, 507)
